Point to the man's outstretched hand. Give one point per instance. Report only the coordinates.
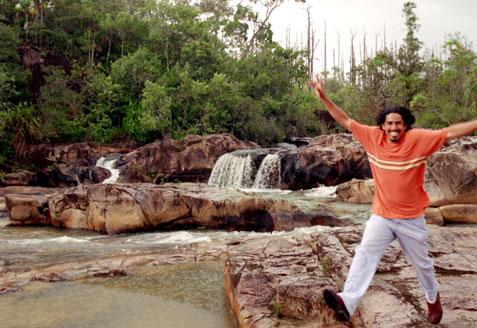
(317, 86)
(337, 113)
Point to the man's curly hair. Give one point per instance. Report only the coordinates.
(406, 114)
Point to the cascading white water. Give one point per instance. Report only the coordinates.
(232, 171)
(237, 170)
(108, 164)
(268, 175)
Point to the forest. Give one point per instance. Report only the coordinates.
(141, 70)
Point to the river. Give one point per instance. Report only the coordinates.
(179, 295)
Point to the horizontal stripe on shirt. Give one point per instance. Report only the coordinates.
(397, 165)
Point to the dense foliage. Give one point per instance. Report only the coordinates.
(102, 70)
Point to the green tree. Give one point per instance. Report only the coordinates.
(60, 108)
(130, 29)
(12, 75)
(155, 120)
(451, 97)
(131, 73)
(410, 64)
(100, 98)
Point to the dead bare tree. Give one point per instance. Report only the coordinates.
(364, 47)
(352, 60)
(260, 24)
(376, 43)
(310, 44)
(287, 37)
(339, 50)
(325, 67)
(334, 58)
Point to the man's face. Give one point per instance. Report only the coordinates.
(394, 126)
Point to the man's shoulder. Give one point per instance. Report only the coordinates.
(370, 128)
(418, 132)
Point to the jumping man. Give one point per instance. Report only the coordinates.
(397, 154)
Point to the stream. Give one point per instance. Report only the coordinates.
(178, 295)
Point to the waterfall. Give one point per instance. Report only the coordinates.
(238, 170)
(108, 164)
(233, 171)
(268, 175)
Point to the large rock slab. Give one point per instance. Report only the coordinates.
(118, 208)
(451, 173)
(451, 177)
(279, 283)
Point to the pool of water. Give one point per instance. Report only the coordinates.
(183, 295)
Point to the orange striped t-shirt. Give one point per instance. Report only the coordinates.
(398, 168)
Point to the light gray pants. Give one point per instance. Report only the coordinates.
(412, 235)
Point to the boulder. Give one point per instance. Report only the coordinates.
(356, 191)
(22, 178)
(27, 205)
(459, 213)
(451, 177)
(69, 175)
(434, 216)
(327, 160)
(27, 209)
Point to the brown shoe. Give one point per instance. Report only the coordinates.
(335, 302)
(434, 311)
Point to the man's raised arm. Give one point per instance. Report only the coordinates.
(461, 129)
(336, 112)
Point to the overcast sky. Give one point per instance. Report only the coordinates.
(437, 18)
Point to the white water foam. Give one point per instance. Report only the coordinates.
(268, 175)
(179, 237)
(322, 192)
(57, 240)
(232, 171)
(108, 164)
(185, 237)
